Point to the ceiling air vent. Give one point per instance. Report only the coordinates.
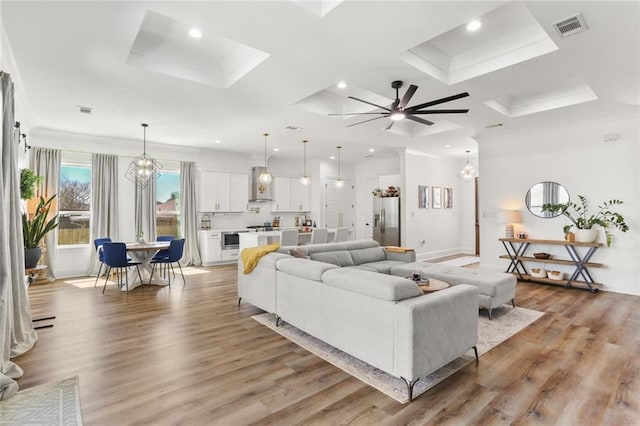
(84, 109)
(570, 26)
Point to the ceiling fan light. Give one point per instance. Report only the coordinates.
(397, 115)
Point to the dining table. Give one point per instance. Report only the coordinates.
(143, 253)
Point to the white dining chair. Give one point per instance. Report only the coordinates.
(289, 237)
(319, 235)
(342, 234)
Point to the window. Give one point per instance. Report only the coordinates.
(74, 205)
(168, 204)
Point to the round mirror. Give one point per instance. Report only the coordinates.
(546, 193)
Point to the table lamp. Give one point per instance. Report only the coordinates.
(509, 217)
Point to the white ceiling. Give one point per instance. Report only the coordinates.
(75, 53)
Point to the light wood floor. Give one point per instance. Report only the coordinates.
(190, 355)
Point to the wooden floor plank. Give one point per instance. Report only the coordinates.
(191, 355)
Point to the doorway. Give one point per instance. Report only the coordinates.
(476, 215)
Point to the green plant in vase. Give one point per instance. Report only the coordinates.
(35, 229)
(577, 214)
(28, 180)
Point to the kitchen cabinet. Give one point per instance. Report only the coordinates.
(290, 195)
(223, 192)
(210, 244)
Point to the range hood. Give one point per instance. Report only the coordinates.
(259, 191)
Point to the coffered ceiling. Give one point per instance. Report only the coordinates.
(265, 66)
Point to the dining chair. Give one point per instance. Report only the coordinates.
(342, 234)
(97, 243)
(319, 235)
(163, 253)
(115, 256)
(289, 237)
(176, 250)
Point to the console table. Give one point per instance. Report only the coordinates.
(516, 252)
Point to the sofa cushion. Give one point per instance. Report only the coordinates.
(384, 266)
(385, 287)
(340, 258)
(360, 244)
(304, 268)
(368, 255)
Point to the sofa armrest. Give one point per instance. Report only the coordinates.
(434, 329)
(407, 256)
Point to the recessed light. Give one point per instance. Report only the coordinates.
(341, 85)
(448, 145)
(332, 158)
(474, 25)
(195, 33)
(218, 141)
(372, 150)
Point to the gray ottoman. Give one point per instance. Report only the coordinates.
(496, 288)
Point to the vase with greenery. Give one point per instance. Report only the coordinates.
(28, 181)
(35, 229)
(577, 214)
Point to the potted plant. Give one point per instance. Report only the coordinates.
(28, 180)
(577, 214)
(34, 230)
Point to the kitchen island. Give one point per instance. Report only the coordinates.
(254, 239)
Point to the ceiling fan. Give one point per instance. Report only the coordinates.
(398, 110)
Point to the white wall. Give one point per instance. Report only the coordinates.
(574, 155)
(436, 232)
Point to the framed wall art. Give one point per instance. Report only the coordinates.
(423, 197)
(447, 198)
(436, 197)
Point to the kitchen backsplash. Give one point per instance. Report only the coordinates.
(242, 220)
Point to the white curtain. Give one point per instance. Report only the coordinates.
(189, 213)
(145, 211)
(46, 162)
(104, 200)
(16, 329)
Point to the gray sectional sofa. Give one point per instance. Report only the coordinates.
(382, 319)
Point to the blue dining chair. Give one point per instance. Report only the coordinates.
(115, 256)
(176, 250)
(163, 253)
(97, 243)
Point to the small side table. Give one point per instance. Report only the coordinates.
(432, 286)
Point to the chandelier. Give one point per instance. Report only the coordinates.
(143, 169)
(469, 172)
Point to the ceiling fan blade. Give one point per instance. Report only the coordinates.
(441, 111)
(360, 122)
(359, 113)
(369, 103)
(390, 125)
(437, 102)
(407, 96)
(419, 120)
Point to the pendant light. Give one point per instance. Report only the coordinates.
(339, 181)
(143, 169)
(265, 177)
(305, 179)
(469, 171)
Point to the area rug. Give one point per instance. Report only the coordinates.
(56, 403)
(460, 261)
(506, 322)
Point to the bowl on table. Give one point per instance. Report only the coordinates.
(542, 255)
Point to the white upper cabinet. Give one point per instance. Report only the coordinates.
(223, 192)
(290, 195)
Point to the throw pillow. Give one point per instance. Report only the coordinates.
(299, 253)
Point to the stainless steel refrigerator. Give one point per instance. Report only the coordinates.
(386, 221)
